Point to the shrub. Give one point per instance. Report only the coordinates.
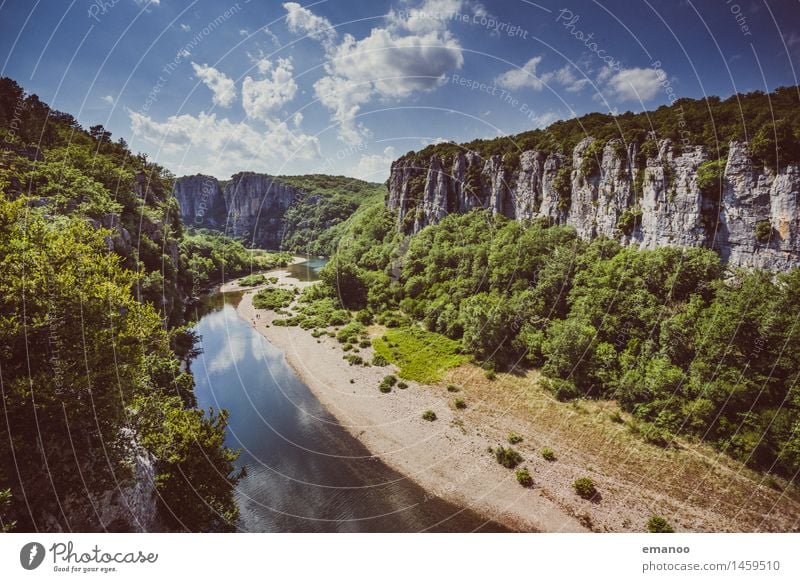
(347, 347)
(364, 317)
(453, 388)
(548, 454)
(514, 438)
(490, 374)
(379, 360)
(252, 280)
(402, 385)
(272, 298)
(364, 344)
(658, 524)
(763, 231)
(354, 359)
(507, 457)
(628, 220)
(429, 415)
(709, 178)
(585, 488)
(460, 403)
(350, 332)
(384, 388)
(389, 381)
(616, 417)
(524, 478)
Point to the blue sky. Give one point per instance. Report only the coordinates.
(344, 87)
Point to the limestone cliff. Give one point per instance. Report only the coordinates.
(751, 218)
(249, 207)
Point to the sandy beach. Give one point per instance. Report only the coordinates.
(697, 489)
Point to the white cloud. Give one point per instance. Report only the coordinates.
(185, 27)
(300, 20)
(218, 146)
(147, 3)
(243, 32)
(390, 63)
(261, 98)
(272, 37)
(222, 86)
(430, 16)
(528, 77)
(297, 119)
(108, 99)
(375, 167)
(635, 84)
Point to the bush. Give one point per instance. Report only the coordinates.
(548, 454)
(384, 388)
(429, 415)
(763, 231)
(350, 332)
(364, 344)
(585, 488)
(490, 374)
(507, 457)
(252, 280)
(364, 317)
(389, 381)
(379, 360)
(460, 403)
(514, 438)
(354, 359)
(272, 298)
(658, 524)
(524, 478)
(453, 388)
(402, 385)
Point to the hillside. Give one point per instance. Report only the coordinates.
(291, 213)
(713, 174)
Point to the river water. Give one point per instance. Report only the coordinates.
(305, 473)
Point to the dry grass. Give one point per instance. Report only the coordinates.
(691, 484)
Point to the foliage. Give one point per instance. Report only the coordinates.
(379, 360)
(507, 456)
(658, 524)
(514, 438)
(460, 403)
(429, 415)
(548, 454)
(389, 381)
(524, 477)
(420, 355)
(709, 178)
(273, 298)
(252, 280)
(453, 388)
(350, 333)
(763, 231)
(585, 488)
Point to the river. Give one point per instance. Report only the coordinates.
(305, 473)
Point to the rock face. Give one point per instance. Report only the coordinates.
(250, 206)
(659, 203)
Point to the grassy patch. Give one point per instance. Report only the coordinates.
(429, 415)
(252, 280)
(421, 355)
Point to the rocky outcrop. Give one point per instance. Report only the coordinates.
(602, 192)
(250, 207)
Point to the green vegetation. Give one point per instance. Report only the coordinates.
(460, 403)
(273, 298)
(252, 280)
(453, 388)
(402, 385)
(379, 360)
(585, 488)
(677, 342)
(421, 355)
(514, 438)
(507, 457)
(429, 415)
(389, 381)
(524, 477)
(92, 291)
(316, 221)
(548, 454)
(763, 231)
(658, 524)
(350, 333)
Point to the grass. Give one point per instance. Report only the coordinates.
(460, 403)
(548, 454)
(429, 415)
(514, 438)
(657, 524)
(453, 388)
(420, 355)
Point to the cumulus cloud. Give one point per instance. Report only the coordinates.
(223, 87)
(221, 147)
(528, 77)
(108, 99)
(390, 63)
(637, 84)
(300, 20)
(261, 98)
(375, 167)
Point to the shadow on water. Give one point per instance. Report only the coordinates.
(305, 473)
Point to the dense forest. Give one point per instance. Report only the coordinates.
(692, 351)
(95, 272)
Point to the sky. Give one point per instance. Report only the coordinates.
(344, 86)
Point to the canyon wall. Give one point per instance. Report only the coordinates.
(750, 217)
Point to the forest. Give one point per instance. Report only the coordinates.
(693, 350)
(95, 273)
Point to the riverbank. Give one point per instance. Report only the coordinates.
(694, 487)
